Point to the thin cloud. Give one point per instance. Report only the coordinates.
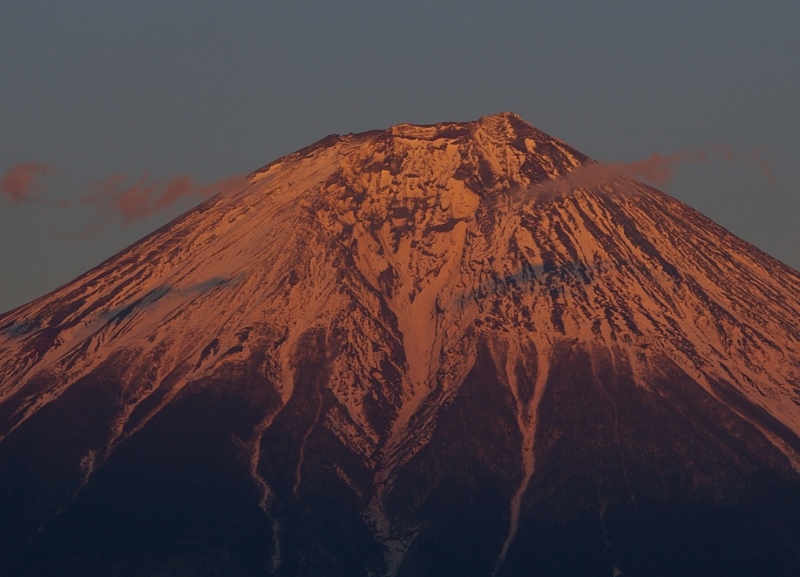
(754, 159)
(115, 197)
(656, 169)
(20, 183)
(144, 199)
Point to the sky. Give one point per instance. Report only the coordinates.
(116, 116)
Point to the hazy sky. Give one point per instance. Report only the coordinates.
(101, 97)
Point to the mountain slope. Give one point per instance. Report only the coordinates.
(411, 352)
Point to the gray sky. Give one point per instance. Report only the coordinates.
(110, 95)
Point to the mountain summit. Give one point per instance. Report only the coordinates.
(419, 351)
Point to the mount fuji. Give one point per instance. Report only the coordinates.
(422, 351)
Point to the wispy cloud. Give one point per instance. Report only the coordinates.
(21, 182)
(657, 169)
(115, 197)
(753, 159)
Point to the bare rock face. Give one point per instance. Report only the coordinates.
(419, 351)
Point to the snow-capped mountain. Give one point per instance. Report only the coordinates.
(429, 350)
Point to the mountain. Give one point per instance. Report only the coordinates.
(430, 350)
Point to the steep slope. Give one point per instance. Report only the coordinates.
(406, 352)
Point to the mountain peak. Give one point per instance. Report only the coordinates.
(508, 120)
(389, 367)
(489, 156)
